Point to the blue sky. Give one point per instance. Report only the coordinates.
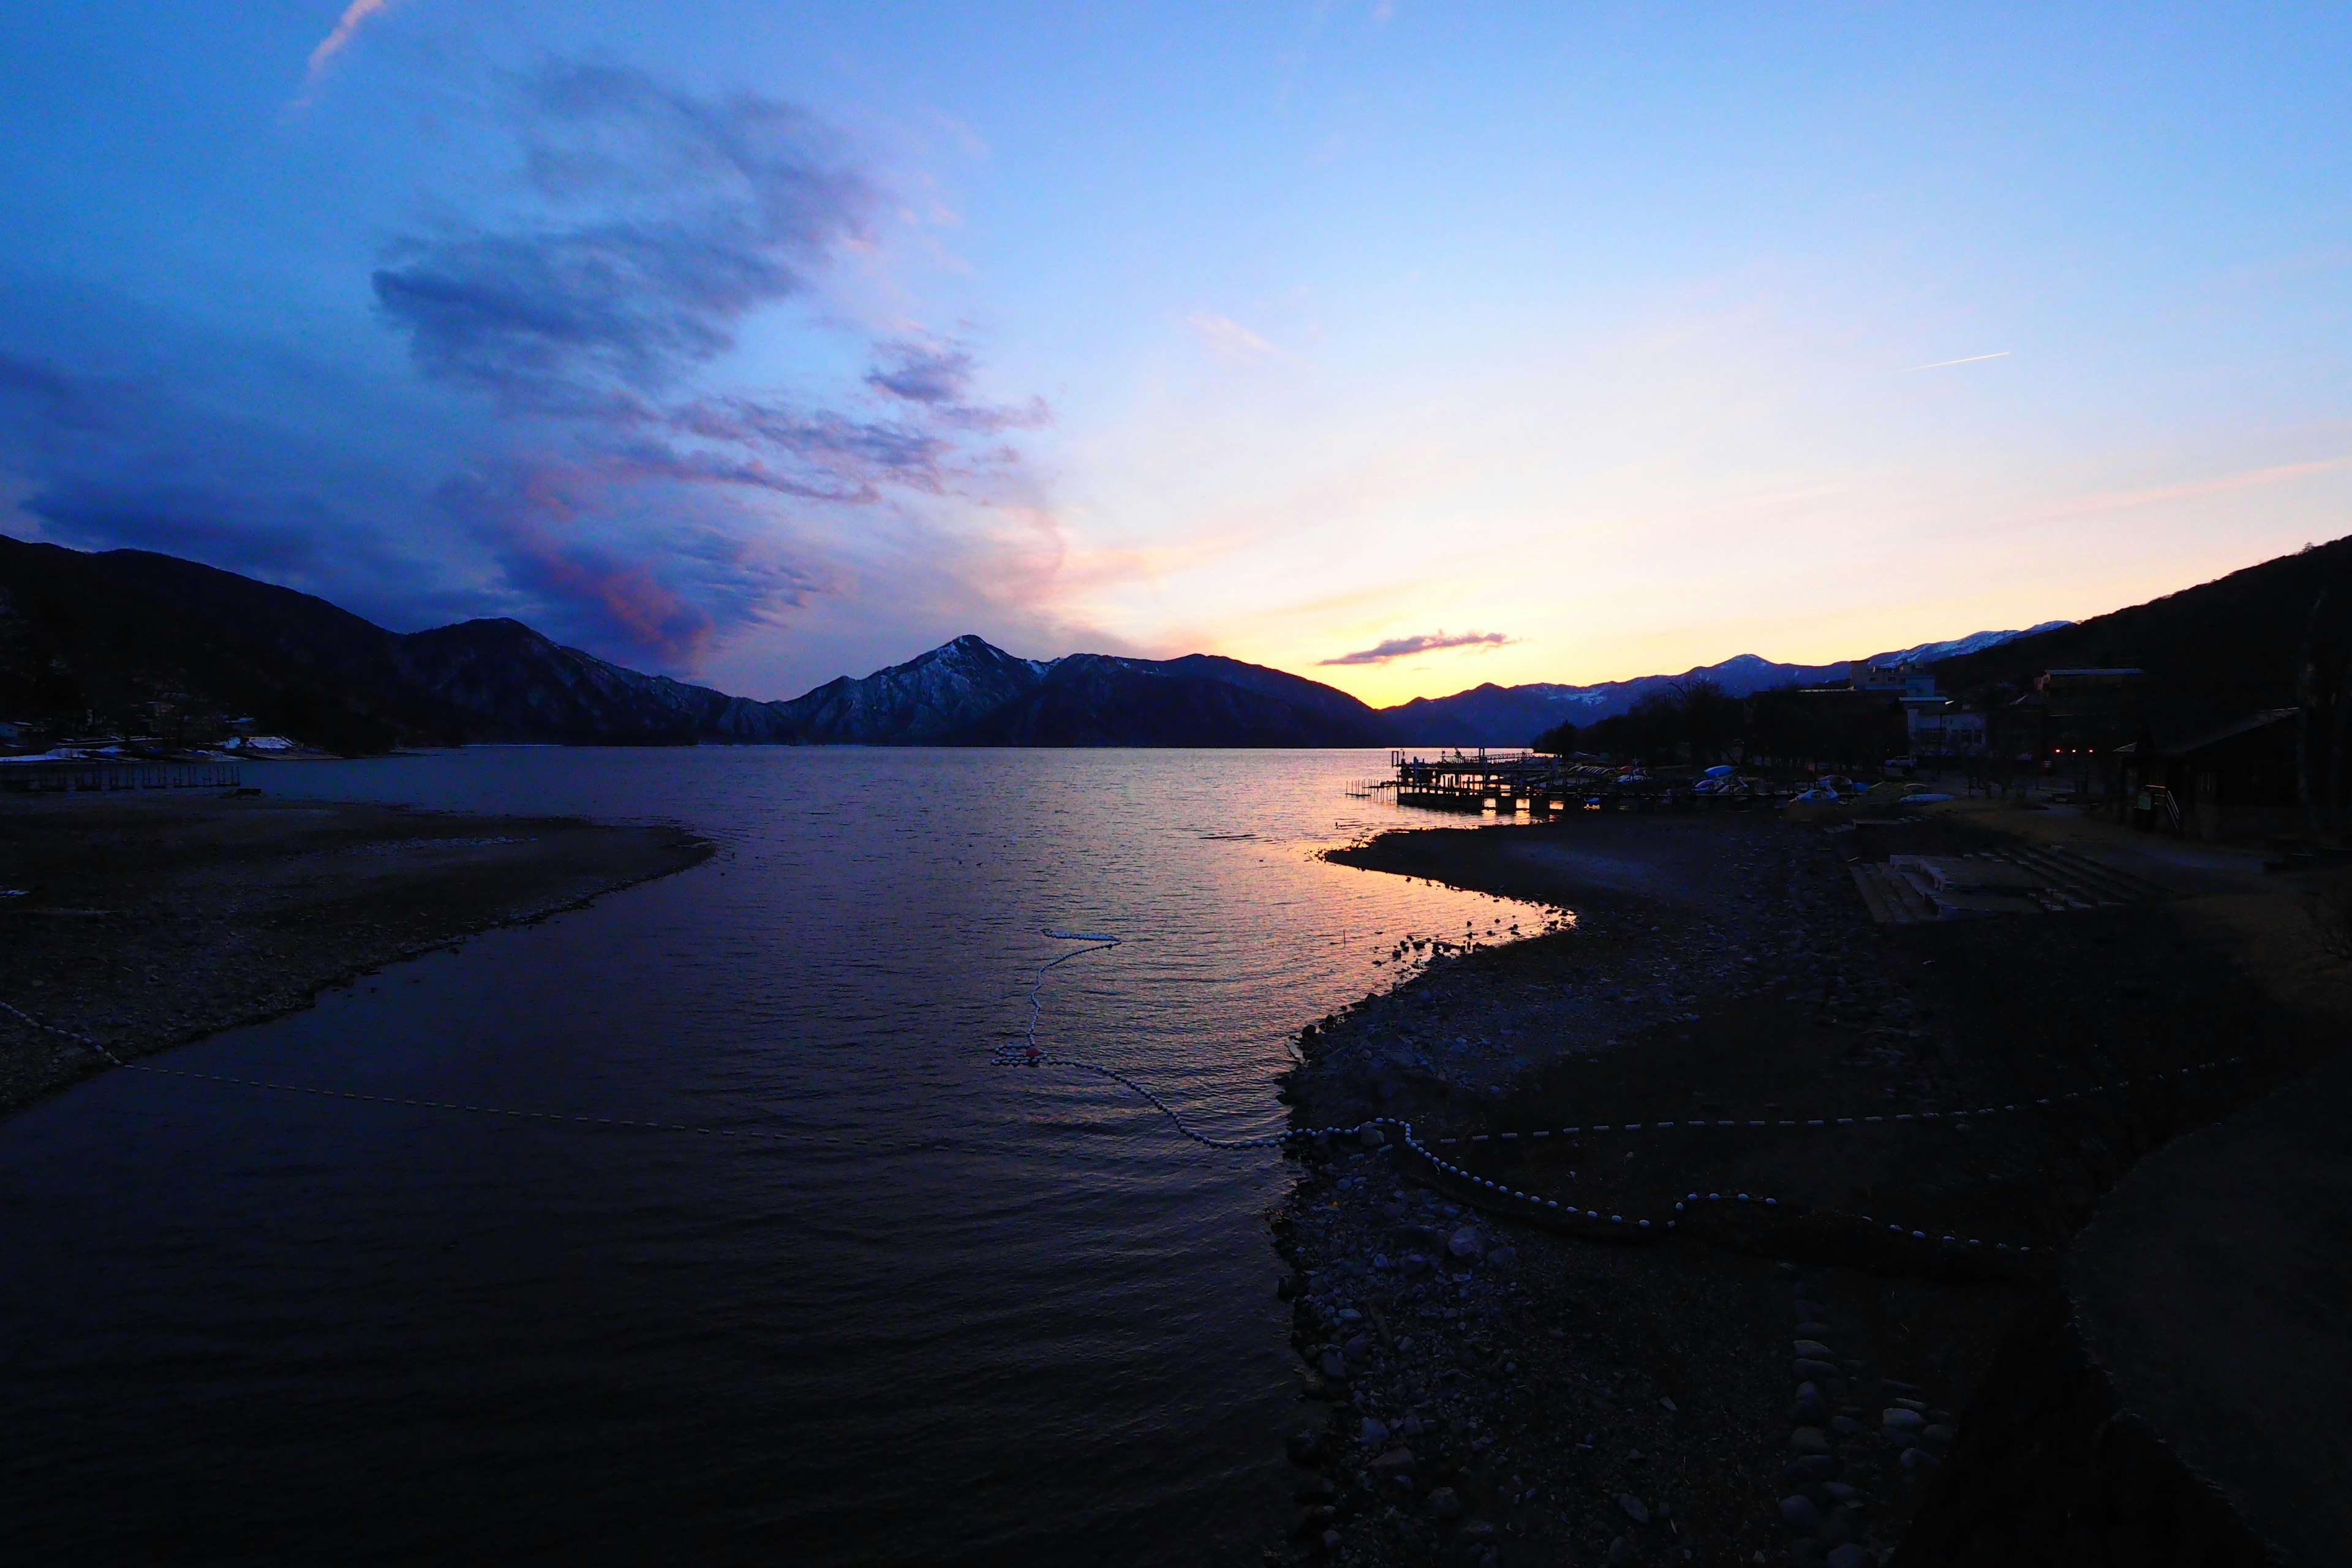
(768, 343)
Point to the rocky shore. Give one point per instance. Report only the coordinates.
(147, 921)
(1484, 1382)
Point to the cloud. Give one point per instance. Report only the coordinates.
(575, 447)
(1228, 339)
(333, 43)
(1946, 364)
(1425, 642)
(659, 222)
(666, 220)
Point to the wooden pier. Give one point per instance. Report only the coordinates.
(1533, 784)
(76, 775)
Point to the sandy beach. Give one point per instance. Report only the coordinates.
(145, 921)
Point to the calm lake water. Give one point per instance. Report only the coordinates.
(958, 1314)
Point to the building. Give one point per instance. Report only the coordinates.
(1903, 681)
(2238, 779)
(1939, 727)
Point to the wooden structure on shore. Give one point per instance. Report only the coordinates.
(1531, 783)
(53, 775)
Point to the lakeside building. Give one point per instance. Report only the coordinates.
(1940, 727)
(1905, 680)
(2253, 777)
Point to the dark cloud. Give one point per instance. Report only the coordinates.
(664, 220)
(937, 378)
(1425, 642)
(567, 456)
(919, 375)
(670, 219)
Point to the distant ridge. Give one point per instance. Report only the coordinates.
(114, 634)
(85, 636)
(1514, 715)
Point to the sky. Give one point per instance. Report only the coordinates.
(1404, 345)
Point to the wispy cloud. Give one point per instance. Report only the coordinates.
(573, 451)
(333, 43)
(1228, 339)
(1425, 642)
(661, 221)
(1943, 363)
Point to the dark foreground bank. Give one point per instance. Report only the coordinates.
(1793, 1382)
(148, 921)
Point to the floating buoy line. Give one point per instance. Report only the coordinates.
(1024, 1051)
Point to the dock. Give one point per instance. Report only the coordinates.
(1536, 785)
(75, 775)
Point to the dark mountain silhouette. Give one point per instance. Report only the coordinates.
(90, 638)
(2212, 652)
(100, 639)
(79, 648)
(933, 698)
(1514, 715)
(1099, 700)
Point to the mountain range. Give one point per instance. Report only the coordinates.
(84, 635)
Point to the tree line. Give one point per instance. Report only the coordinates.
(1698, 724)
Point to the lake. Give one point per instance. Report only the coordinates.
(951, 1313)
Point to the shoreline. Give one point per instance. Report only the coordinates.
(151, 921)
(1494, 1391)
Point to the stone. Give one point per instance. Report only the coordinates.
(1813, 1468)
(1620, 1552)
(1395, 1462)
(1370, 1137)
(1838, 1491)
(1844, 1425)
(1813, 1350)
(1410, 1427)
(1445, 1503)
(1373, 1433)
(1502, 1258)
(1334, 1365)
(1632, 1507)
(1919, 1459)
(1847, 1556)
(1899, 1418)
(1808, 1370)
(1812, 1331)
(1357, 1347)
(1330, 1541)
(1938, 1436)
(1799, 1515)
(1838, 1528)
(1809, 1440)
(1466, 1244)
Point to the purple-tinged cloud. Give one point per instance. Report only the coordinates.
(569, 454)
(922, 374)
(1425, 642)
(669, 218)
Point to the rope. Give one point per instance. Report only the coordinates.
(1025, 1051)
(1028, 1053)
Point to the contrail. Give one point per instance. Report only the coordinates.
(1941, 362)
(357, 11)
